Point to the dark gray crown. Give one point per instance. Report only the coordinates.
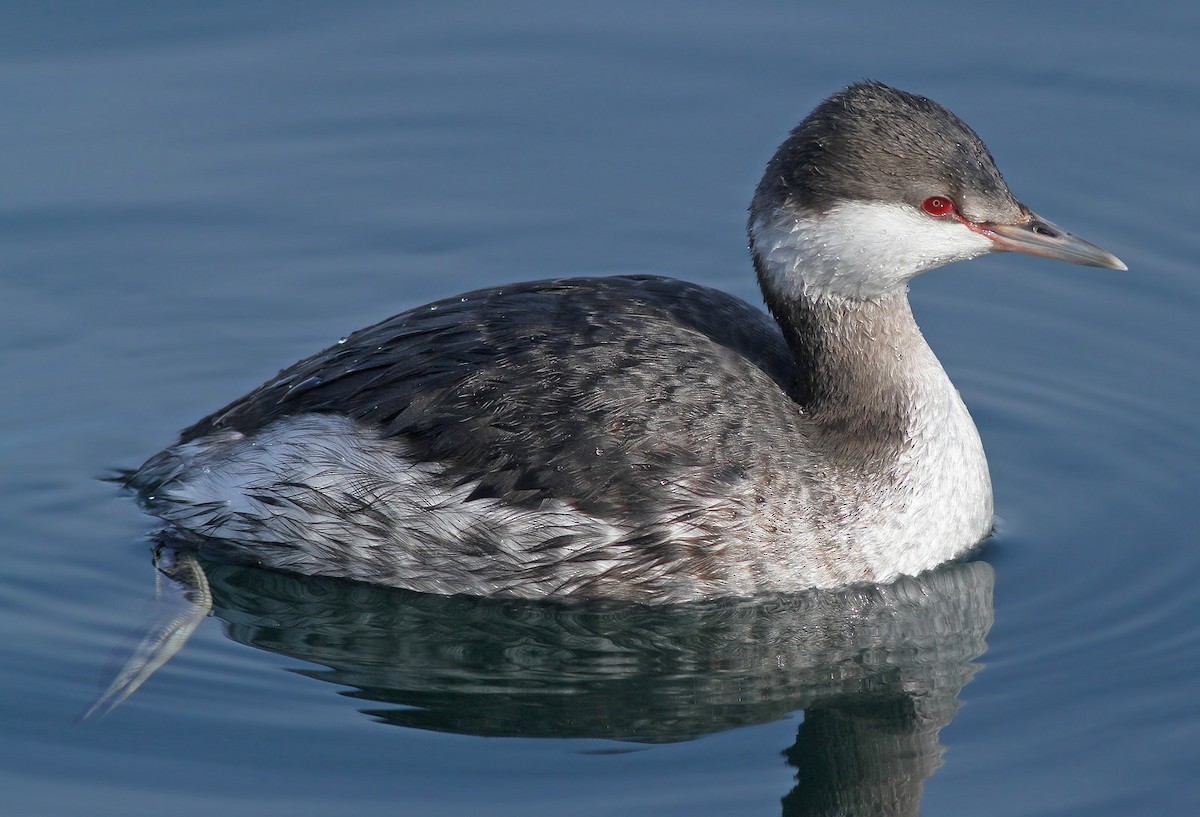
(872, 142)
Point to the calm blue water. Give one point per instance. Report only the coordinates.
(194, 197)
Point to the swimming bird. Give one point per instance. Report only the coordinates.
(643, 438)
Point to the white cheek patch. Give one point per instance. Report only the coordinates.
(858, 249)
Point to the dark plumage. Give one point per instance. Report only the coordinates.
(834, 155)
(490, 383)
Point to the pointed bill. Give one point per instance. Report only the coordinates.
(1044, 238)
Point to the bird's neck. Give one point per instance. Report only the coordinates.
(837, 283)
(865, 376)
(897, 448)
(894, 449)
(863, 368)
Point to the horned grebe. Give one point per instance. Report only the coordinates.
(643, 438)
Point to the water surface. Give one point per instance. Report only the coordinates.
(196, 197)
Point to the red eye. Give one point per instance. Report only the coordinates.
(937, 205)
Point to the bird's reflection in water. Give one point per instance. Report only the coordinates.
(877, 670)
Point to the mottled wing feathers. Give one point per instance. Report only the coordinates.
(603, 391)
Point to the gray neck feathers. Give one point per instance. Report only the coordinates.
(862, 370)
